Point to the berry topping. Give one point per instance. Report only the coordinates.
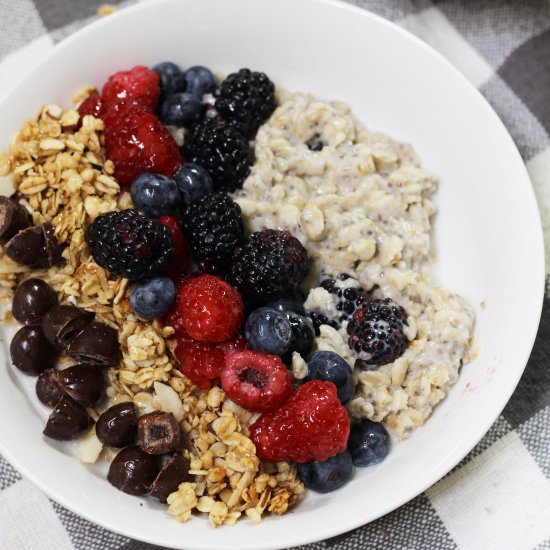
(171, 78)
(330, 367)
(269, 331)
(129, 244)
(155, 194)
(269, 263)
(349, 298)
(211, 308)
(256, 381)
(199, 81)
(236, 344)
(92, 105)
(214, 227)
(179, 264)
(303, 335)
(376, 332)
(137, 142)
(245, 100)
(200, 362)
(319, 319)
(327, 476)
(152, 298)
(181, 110)
(193, 182)
(140, 84)
(174, 319)
(222, 151)
(311, 425)
(288, 304)
(368, 443)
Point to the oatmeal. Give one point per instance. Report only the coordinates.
(361, 204)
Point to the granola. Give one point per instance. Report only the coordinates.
(59, 172)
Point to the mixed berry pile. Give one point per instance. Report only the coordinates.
(234, 299)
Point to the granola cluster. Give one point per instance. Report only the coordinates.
(58, 169)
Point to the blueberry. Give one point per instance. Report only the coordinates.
(327, 476)
(368, 443)
(171, 76)
(193, 182)
(293, 304)
(152, 298)
(200, 81)
(269, 331)
(330, 367)
(181, 110)
(155, 194)
(303, 334)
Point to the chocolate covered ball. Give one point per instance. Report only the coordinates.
(68, 420)
(133, 471)
(32, 299)
(64, 322)
(85, 384)
(30, 350)
(96, 344)
(48, 389)
(117, 426)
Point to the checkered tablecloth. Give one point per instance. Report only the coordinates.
(499, 496)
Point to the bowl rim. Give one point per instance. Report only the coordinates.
(481, 429)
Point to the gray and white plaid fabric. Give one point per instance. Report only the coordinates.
(499, 496)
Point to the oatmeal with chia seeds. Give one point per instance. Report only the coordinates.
(361, 204)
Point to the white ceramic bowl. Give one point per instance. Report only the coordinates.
(487, 235)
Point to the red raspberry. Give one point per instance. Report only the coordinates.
(179, 264)
(211, 308)
(138, 143)
(256, 381)
(139, 83)
(200, 362)
(112, 113)
(174, 319)
(237, 344)
(92, 105)
(311, 425)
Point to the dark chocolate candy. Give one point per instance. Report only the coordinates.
(31, 351)
(32, 299)
(84, 383)
(64, 322)
(68, 420)
(48, 389)
(96, 344)
(117, 426)
(13, 218)
(133, 470)
(158, 433)
(28, 247)
(174, 472)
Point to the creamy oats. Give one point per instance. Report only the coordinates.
(362, 206)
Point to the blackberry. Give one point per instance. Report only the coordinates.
(376, 332)
(245, 100)
(319, 319)
(349, 299)
(214, 227)
(129, 244)
(269, 263)
(221, 150)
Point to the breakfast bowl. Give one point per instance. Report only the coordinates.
(486, 240)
